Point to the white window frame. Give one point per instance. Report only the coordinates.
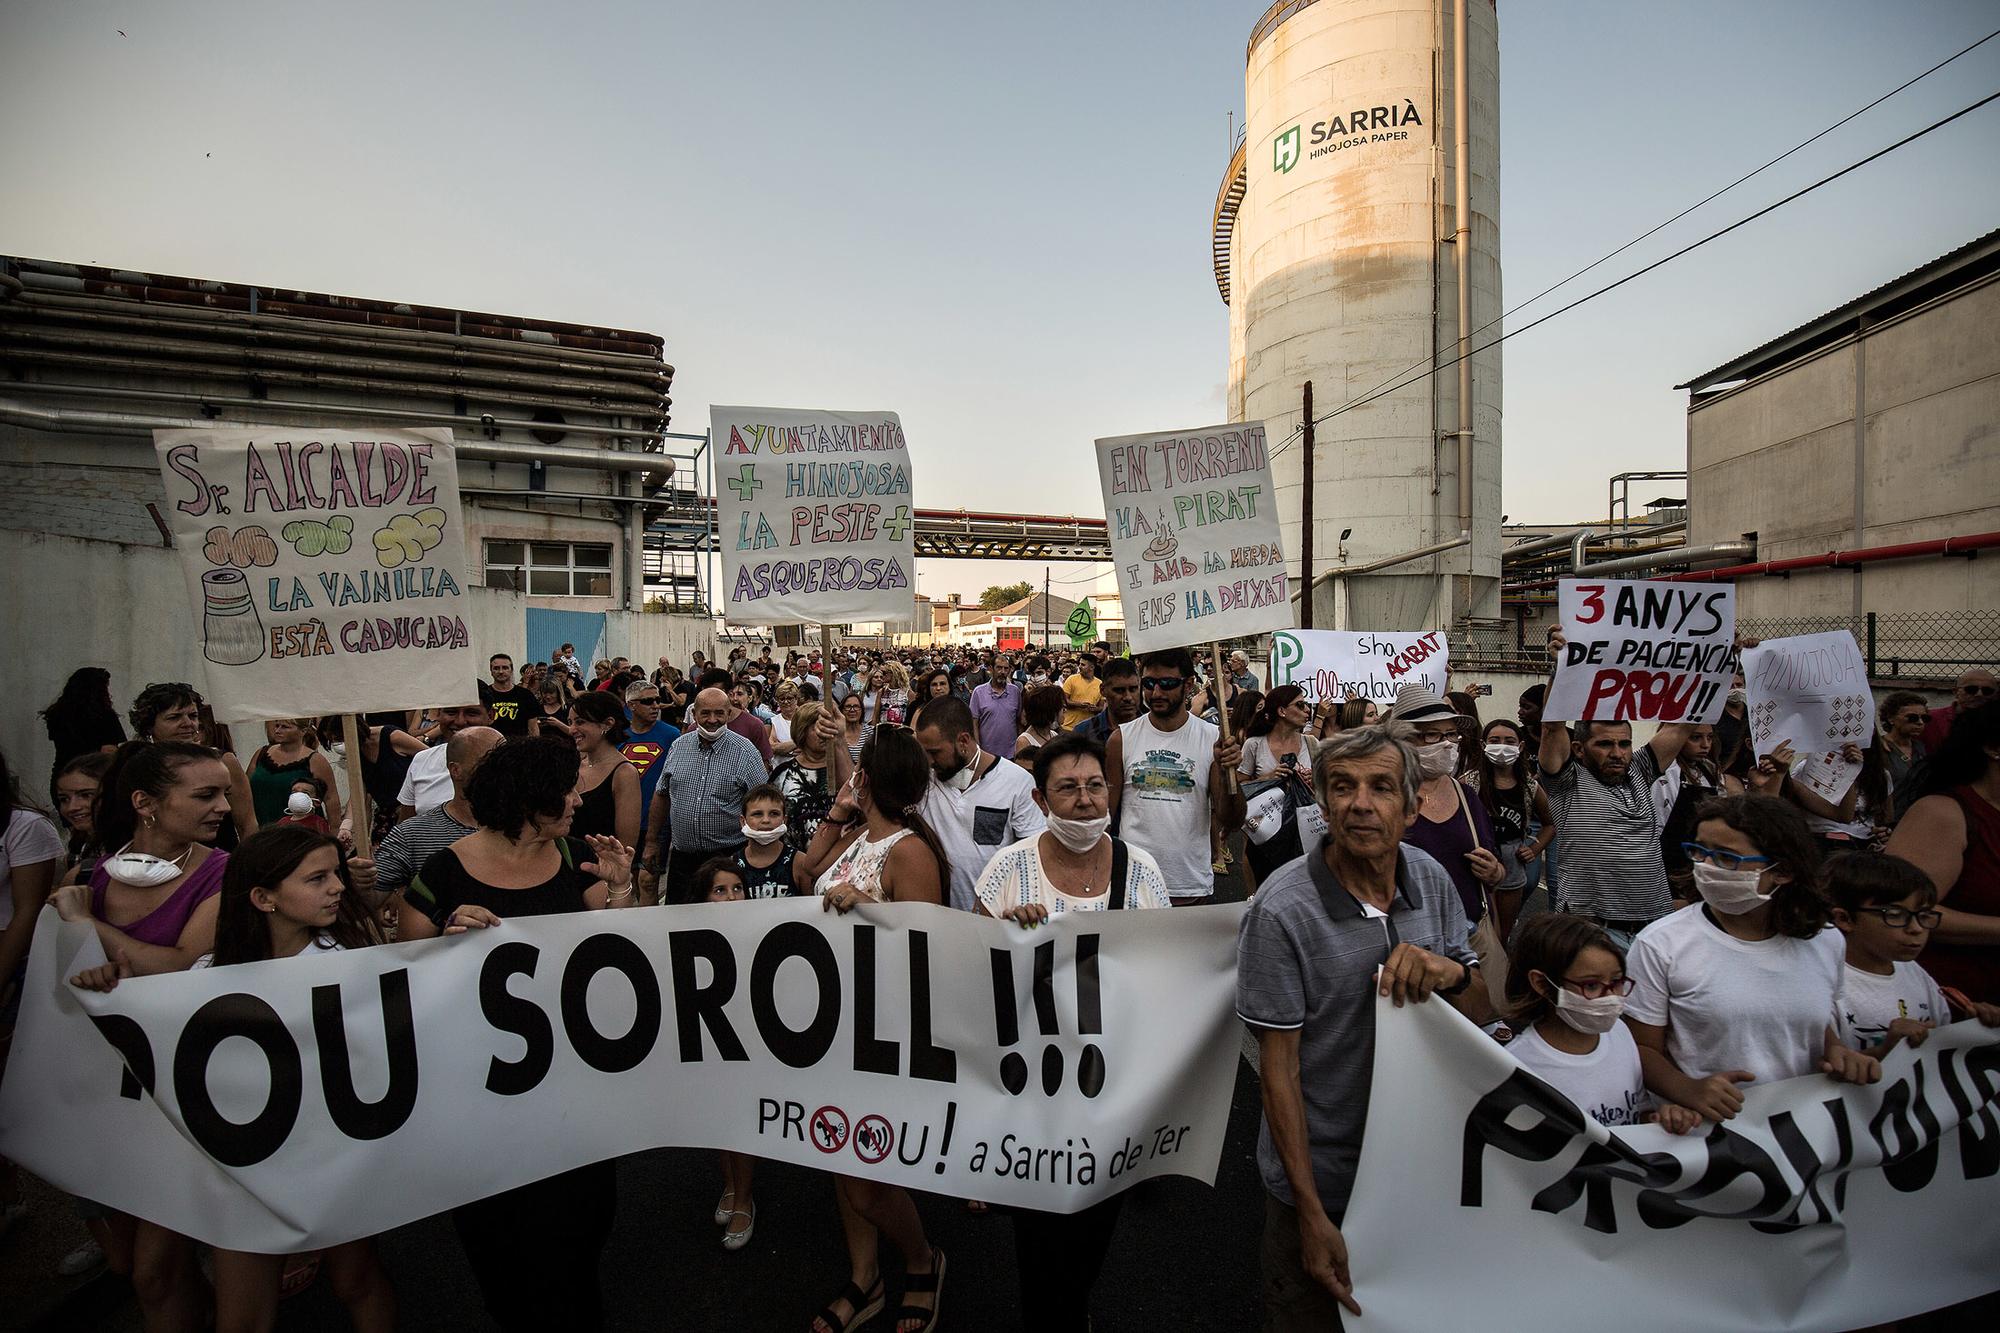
(537, 558)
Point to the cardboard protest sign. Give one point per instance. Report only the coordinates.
(815, 515)
(1644, 650)
(1194, 535)
(326, 569)
(1338, 664)
(292, 1104)
(1811, 692)
(1821, 1205)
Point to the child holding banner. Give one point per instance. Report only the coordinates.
(284, 894)
(1741, 987)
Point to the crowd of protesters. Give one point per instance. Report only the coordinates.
(1649, 924)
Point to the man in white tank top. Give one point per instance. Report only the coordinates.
(1166, 769)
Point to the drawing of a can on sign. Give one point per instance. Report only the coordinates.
(231, 633)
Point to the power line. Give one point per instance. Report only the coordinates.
(1384, 389)
(1851, 116)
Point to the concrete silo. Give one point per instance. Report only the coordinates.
(1337, 239)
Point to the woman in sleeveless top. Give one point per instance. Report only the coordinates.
(873, 847)
(290, 755)
(159, 807)
(535, 1250)
(608, 785)
(1953, 834)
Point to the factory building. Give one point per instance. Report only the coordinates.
(1356, 240)
(1856, 459)
(562, 443)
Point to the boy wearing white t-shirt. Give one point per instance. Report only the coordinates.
(1886, 908)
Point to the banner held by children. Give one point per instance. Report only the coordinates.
(1644, 650)
(257, 1107)
(1194, 535)
(1811, 692)
(326, 569)
(1339, 664)
(815, 515)
(1821, 1205)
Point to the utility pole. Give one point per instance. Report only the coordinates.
(1045, 608)
(1306, 517)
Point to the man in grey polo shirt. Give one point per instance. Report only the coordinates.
(1307, 962)
(698, 805)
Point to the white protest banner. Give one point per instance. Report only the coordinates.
(814, 514)
(1644, 650)
(1194, 535)
(294, 1104)
(326, 568)
(1822, 1205)
(1335, 664)
(1811, 692)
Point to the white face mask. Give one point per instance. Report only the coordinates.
(710, 734)
(1731, 892)
(298, 805)
(1599, 1015)
(140, 870)
(967, 774)
(1437, 760)
(1079, 835)
(1503, 755)
(1739, 697)
(763, 837)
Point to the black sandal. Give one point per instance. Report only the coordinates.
(933, 1282)
(865, 1305)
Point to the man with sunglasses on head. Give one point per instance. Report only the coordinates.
(1169, 775)
(1600, 789)
(1973, 689)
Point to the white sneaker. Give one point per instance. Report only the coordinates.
(85, 1258)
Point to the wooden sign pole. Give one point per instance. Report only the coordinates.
(1221, 706)
(357, 793)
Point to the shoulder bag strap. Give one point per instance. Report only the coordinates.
(1121, 868)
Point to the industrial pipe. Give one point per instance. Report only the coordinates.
(1536, 545)
(1349, 571)
(463, 421)
(1967, 545)
(481, 451)
(1462, 256)
(1672, 555)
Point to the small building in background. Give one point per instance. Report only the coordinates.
(1859, 454)
(565, 461)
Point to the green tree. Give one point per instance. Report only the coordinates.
(1002, 594)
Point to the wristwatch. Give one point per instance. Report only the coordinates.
(1459, 986)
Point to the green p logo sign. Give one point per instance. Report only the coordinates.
(1285, 151)
(1286, 653)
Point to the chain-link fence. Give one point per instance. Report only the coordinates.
(1914, 646)
(1920, 647)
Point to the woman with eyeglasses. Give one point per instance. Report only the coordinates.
(1566, 987)
(1952, 833)
(1075, 865)
(1277, 741)
(1740, 987)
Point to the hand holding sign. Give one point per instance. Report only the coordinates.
(1642, 650)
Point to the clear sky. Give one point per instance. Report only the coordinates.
(992, 219)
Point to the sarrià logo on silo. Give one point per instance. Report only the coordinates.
(1285, 152)
(1343, 130)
